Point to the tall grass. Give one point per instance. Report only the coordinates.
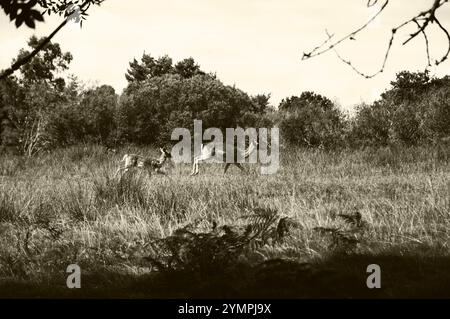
(65, 207)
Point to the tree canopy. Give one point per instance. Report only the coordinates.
(150, 67)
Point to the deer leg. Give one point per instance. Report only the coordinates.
(160, 171)
(196, 166)
(121, 170)
(240, 166)
(117, 172)
(227, 165)
(193, 166)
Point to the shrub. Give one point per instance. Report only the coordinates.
(312, 120)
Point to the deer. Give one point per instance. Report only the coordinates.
(138, 161)
(208, 151)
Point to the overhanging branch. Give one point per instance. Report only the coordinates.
(16, 65)
(32, 54)
(422, 21)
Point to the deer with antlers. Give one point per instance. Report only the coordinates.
(138, 161)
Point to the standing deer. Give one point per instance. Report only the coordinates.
(134, 160)
(208, 151)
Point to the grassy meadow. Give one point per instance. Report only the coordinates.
(234, 235)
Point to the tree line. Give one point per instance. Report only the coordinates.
(41, 110)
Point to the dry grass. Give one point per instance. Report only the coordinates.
(65, 208)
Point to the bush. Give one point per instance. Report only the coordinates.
(89, 119)
(150, 110)
(415, 110)
(312, 120)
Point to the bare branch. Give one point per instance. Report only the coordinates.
(427, 45)
(352, 34)
(32, 54)
(448, 40)
(421, 20)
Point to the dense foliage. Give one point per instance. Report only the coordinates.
(416, 109)
(312, 120)
(41, 108)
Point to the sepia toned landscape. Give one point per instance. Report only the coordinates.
(88, 180)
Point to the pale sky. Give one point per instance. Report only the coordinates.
(255, 44)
